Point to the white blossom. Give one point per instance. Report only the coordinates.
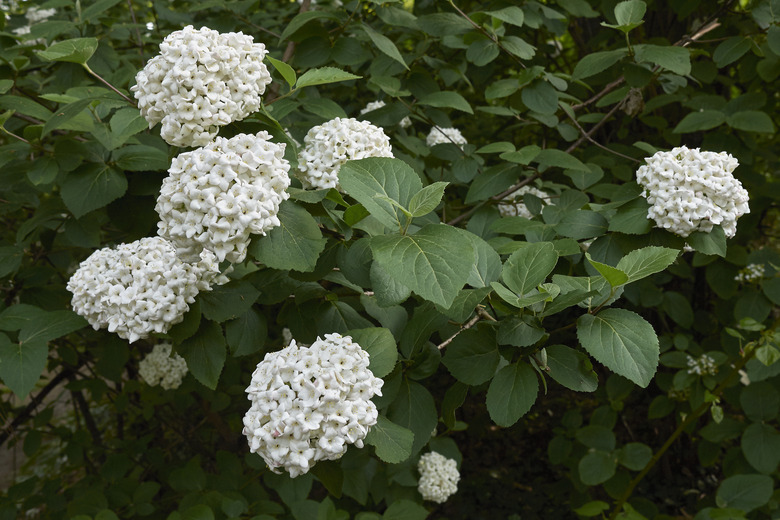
(439, 135)
(691, 190)
(35, 14)
(201, 80)
(216, 196)
(439, 477)
(704, 365)
(376, 105)
(751, 273)
(139, 288)
(513, 206)
(331, 144)
(310, 403)
(159, 367)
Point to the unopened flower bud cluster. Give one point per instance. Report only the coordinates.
(704, 365)
(216, 196)
(309, 403)
(140, 287)
(200, 81)
(159, 367)
(751, 273)
(691, 190)
(439, 135)
(439, 477)
(376, 105)
(331, 144)
(512, 205)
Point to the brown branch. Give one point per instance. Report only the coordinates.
(595, 127)
(587, 135)
(481, 314)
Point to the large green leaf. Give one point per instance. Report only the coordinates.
(540, 97)
(614, 276)
(246, 334)
(623, 341)
(581, 224)
(322, 76)
(446, 99)
(45, 327)
(596, 467)
(597, 62)
(529, 266)
(92, 186)
(473, 356)
(646, 261)
(426, 200)
(21, 365)
(205, 353)
(571, 368)
(745, 492)
(11, 259)
(229, 301)
(698, 121)
(712, 243)
(381, 348)
(512, 15)
(672, 58)
(385, 44)
(414, 409)
(393, 443)
(487, 263)
(630, 12)
(434, 262)
(511, 393)
(751, 121)
(405, 509)
(75, 50)
(731, 50)
(761, 447)
(559, 158)
(295, 244)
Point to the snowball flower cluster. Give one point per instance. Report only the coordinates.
(704, 365)
(518, 209)
(439, 477)
(331, 144)
(216, 196)
(439, 135)
(309, 403)
(376, 105)
(751, 273)
(201, 80)
(34, 14)
(161, 368)
(139, 288)
(691, 190)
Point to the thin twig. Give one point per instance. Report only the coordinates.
(288, 54)
(489, 36)
(595, 127)
(587, 135)
(473, 321)
(109, 85)
(137, 32)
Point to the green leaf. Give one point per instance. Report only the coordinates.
(5, 85)
(593, 508)
(672, 58)
(405, 510)
(596, 467)
(205, 353)
(381, 348)
(623, 341)
(635, 455)
(426, 200)
(761, 447)
(702, 120)
(473, 356)
(511, 15)
(446, 99)
(385, 44)
(393, 443)
(512, 299)
(229, 301)
(630, 12)
(76, 50)
(295, 244)
(141, 158)
(529, 266)
(514, 331)
(302, 19)
(487, 264)
(773, 39)
(571, 368)
(92, 186)
(21, 365)
(97, 8)
(324, 75)
(712, 243)
(745, 492)
(368, 179)
(198, 512)
(643, 262)
(615, 277)
(597, 62)
(10, 259)
(25, 106)
(287, 72)
(65, 114)
(632, 218)
(511, 394)
(559, 158)
(434, 262)
(519, 47)
(413, 408)
(581, 224)
(388, 290)
(45, 327)
(482, 51)
(731, 50)
(523, 156)
(540, 97)
(246, 334)
(751, 121)
(760, 401)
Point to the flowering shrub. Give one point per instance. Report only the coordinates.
(161, 368)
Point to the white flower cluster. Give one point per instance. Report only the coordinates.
(201, 80)
(704, 365)
(216, 196)
(331, 144)
(439, 135)
(751, 273)
(139, 288)
(34, 15)
(376, 105)
(518, 209)
(308, 403)
(439, 477)
(161, 368)
(691, 190)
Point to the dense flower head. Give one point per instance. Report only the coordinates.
(331, 144)
(35, 14)
(309, 403)
(140, 287)
(691, 190)
(439, 135)
(376, 105)
(159, 367)
(439, 477)
(703, 365)
(201, 80)
(751, 273)
(216, 196)
(513, 206)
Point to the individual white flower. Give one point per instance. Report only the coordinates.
(310, 403)
(159, 367)
(691, 190)
(216, 196)
(751, 273)
(439, 135)
(704, 365)
(376, 105)
(201, 80)
(331, 144)
(512, 205)
(744, 378)
(439, 477)
(139, 288)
